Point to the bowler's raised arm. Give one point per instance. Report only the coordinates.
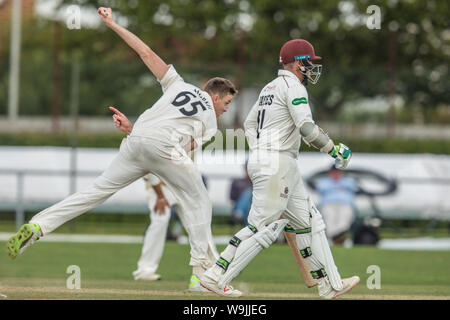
(156, 65)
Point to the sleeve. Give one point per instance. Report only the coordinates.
(250, 126)
(297, 101)
(152, 179)
(170, 78)
(209, 127)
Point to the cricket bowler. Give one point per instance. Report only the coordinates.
(184, 118)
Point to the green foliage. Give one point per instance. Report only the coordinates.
(241, 39)
(112, 140)
(399, 146)
(392, 145)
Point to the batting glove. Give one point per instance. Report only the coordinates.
(342, 155)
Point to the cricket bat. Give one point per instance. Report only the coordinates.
(302, 265)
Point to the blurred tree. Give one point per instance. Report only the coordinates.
(408, 56)
(242, 34)
(356, 58)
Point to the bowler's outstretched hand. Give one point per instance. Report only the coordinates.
(121, 121)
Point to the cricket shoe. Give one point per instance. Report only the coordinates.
(326, 291)
(208, 281)
(26, 236)
(195, 286)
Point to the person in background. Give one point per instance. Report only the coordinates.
(336, 203)
(241, 196)
(162, 205)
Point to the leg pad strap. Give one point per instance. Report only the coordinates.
(288, 228)
(253, 228)
(306, 252)
(221, 262)
(235, 241)
(318, 273)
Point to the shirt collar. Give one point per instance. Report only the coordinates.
(287, 73)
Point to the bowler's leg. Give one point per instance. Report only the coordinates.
(121, 172)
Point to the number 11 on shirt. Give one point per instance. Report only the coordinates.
(260, 121)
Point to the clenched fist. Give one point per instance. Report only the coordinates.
(342, 155)
(106, 15)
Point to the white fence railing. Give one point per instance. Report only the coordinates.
(32, 178)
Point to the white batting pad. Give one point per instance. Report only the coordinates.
(321, 249)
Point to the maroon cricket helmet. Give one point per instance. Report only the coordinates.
(297, 49)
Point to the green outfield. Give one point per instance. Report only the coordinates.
(106, 273)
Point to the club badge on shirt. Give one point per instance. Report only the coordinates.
(285, 194)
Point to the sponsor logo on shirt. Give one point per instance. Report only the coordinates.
(298, 101)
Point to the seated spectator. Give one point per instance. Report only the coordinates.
(336, 203)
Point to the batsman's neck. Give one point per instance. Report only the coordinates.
(293, 67)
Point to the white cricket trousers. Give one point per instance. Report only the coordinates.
(154, 241)
(278, 190)
(137, 157)
(155, 235)
(281, 192)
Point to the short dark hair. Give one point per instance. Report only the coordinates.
(289, 64)
(220, 86)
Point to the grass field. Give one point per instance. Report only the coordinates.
(106, 273)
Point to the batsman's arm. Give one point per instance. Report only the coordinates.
(156, 65)
(315, 136)
(297, 101)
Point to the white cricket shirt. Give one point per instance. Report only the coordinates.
(183, 112)
(273, 122)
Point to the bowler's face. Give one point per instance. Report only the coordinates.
(221, 104)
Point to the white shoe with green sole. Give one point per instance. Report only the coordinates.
(195, 286)
(25, 237)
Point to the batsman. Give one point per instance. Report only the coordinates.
(275, 126)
